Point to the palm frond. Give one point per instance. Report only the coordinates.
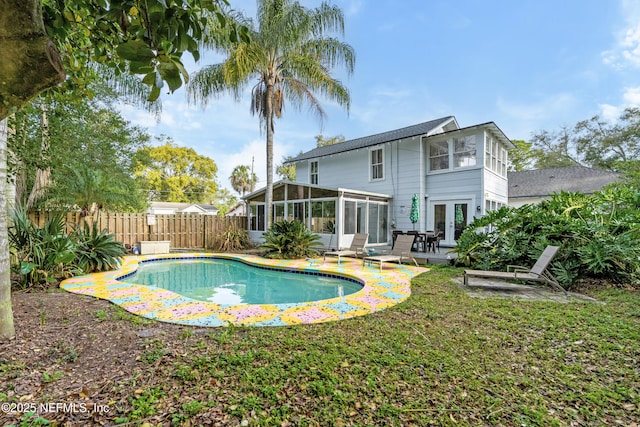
(205, 84)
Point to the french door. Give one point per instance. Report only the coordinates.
(449, 218)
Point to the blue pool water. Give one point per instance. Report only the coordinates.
(231, 282)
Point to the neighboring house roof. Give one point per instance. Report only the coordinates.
(544, 182)
(183, 207)
(239, 209)
(354, 144)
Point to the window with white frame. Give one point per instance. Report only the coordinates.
(495, 156)
(257, 217)
(313, 172)
(377, 164)
(464, 151)
(492, 205)
(439, 155)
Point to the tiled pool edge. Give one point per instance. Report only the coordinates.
(381, 290)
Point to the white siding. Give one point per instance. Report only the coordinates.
(406, 173)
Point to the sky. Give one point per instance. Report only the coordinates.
(527, 65)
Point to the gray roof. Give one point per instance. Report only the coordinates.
(544, 182)
(381, 138)
(181, 205)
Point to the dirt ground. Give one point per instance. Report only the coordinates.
(56, 328)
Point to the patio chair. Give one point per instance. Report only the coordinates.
(538, 273)
(394, 236)
(419, 241)
(401, 250)
(356, 249)
(433, 240)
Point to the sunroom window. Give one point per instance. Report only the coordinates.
(256, 217)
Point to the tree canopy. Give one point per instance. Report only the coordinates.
(85, 136)
(176, 174)
(44, 41)
(593, 143)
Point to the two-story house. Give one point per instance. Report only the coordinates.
(367, 184)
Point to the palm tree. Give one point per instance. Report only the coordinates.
(291, 55)
(243, 179)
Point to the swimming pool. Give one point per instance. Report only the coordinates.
(226, 281)
(380, 290)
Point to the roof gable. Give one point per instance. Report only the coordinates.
(427, 128)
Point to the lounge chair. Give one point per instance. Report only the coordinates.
(401, 250)
(538, 273)
(356, 249)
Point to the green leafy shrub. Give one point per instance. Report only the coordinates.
(96, 250)
(289, 240)
(232, 239)
(39, 256)
(599, 235)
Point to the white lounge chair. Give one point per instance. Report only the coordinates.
(355, 250)
(401, 250)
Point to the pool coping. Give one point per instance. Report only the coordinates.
(381, 289)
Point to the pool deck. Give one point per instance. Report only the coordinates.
(382, 289)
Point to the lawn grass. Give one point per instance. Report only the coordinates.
(439, 358)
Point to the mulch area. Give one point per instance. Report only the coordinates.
(76, 349)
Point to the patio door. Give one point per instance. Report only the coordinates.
(450, 217)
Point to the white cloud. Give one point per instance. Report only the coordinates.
(254, 150)
(609, 113)
(631, 98)
(626, 51)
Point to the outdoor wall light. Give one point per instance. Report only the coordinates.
(478, 208)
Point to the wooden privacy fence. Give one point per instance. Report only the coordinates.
(184, 230)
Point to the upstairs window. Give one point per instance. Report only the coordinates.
(464, 151)
(313, 172)
(377, 167)
(495, 156)
(439, 155)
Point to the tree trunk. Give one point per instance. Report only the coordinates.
(43, 176)
(268, 197)
(19, 172)
(30, 61)
(6, 314)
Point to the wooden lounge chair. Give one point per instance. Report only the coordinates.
(401, 250)
(356, 249)
(538, 273)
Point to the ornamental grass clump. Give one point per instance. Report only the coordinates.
(231, 240)
(290, 239)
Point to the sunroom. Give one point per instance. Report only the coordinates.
(335, 214)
